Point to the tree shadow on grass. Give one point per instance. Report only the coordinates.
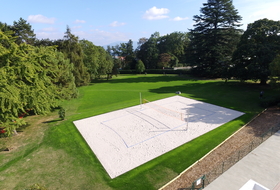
(147, 78)
(52, 121)
(233, 95)
(21, 128)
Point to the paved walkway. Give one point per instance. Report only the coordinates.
(261, 165)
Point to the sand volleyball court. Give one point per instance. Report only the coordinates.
(130, 137)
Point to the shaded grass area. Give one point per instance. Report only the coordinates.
(53, 153)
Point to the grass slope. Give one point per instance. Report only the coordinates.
(54, 154)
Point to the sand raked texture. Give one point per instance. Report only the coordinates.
(127, 138)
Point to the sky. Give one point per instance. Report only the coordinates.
(109, 22)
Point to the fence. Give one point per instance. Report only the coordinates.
(233, 159)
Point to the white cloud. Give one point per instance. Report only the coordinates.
(252, 11)
(79, 21)
(40, 19)
(49, 29)
(116, 23)
(101, 37)
(76, 27)
(156, 14)
(50, 35)
(97, 36)
(179, 18)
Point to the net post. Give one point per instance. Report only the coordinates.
(140, 100)
(187, 120)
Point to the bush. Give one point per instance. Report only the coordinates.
(157, 71)
(61, 113)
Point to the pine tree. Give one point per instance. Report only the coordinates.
(73, 51)
(214, 37)
(59, 70)
(23, 31)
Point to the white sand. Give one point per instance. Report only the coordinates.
(127, 138)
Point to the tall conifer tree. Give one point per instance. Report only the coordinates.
(23, 31)
(72, 50)
(214, 37)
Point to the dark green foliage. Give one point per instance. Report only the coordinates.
(149, 51)
(258, 47)
(22, 30)
(4, 27)
(157, 71)
(90, 57)
(31, 78)
(125, 53)
(270, 101)
(174, 44)
(44, 42)
(117, 65)
(105, 62)
(167, 60)
(72, 50)
(214, 37)
(60, 71)
(274, 68)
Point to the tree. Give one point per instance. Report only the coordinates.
(59, 70)
(117, 65)
(163, 60)
(61, 113)
(214, 37)
(24, 83)
(90, 57)
(126, 51)
(31, 78)
(174, 44)
(23, 31)
(72, 50)
(258, 47)
(274, 68)
(140, 67)
(105, 62)
(4, 27)
(44, 42)
(140, 42)
(149, 51)
(97, 60)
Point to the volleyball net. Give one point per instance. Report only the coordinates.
(163, 110)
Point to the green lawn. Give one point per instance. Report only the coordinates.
(53, 153)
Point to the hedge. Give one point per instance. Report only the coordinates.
(156, 71)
